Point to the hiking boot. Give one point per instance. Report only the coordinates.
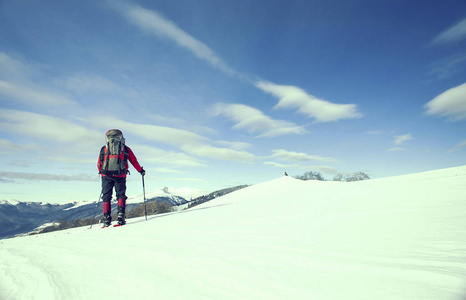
(107, 220)
(121, 218)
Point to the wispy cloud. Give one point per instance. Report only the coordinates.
(298, 160)
(16, 86)
(32, 96)
(400, 139)
(14, 69)
(38, 127)
(448, 67)
(163, 134)
(316, 168)
(175, 122)
(254, 121)
(83, 84)
(169, 171)
(45, 128)
(452, 34)
(286, 155)
(234, 145)
(458, 147)
(206, 150)
(291, 97)
(185, 140)
(8, 147)
(152, 22)
(450, 104)
(8, 176)
(150, 154)
(184, 179)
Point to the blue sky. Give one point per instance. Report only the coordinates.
(211, 94)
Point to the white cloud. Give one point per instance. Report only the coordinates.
(8, 147)
(184, 179)
(455, 33)
(254, 121)
(73, 159)
(32, 96)
(286, 155)
(13, 69)
(83, 84)
(51, 129)
(163, 134)
(299, 160)
(45, 176)
(169, 171)
(448, 67)
(20, 163)
(154, 23)
(150, 154)
(400, 139)
(291, 97)
(205, 150)
(234, 145)
(323, 169)
(45, 128)
(187, 141)
(176, 122)
(15, 85)
(458, 147)
(450, 104)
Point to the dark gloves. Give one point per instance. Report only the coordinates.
(142, 172)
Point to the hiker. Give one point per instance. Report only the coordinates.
(113, 167)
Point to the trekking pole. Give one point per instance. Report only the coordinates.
(95, 212)
(144, 193)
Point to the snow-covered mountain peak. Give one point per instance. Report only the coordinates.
(9, 202)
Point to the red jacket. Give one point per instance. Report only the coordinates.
(131, 157)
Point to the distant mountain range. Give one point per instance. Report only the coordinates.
(23, 217)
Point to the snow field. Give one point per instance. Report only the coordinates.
(394, 238)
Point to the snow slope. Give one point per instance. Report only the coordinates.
(394, 238)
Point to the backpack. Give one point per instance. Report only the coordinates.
(110, 154)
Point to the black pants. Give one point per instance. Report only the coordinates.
(108, 183)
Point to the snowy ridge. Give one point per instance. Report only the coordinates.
(186, 193)
(433, 174)
(394, 238)
(16, 202)
(79, 204)
(9, 202)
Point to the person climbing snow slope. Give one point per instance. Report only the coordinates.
(113, 168)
